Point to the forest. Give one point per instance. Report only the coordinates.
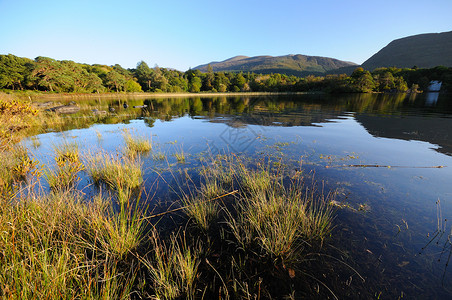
(65, 76)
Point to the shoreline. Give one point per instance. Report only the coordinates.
(40, 95)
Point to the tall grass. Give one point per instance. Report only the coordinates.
(50, 250)
(172, 267)
(63, 245)
(278, 218)
(68, 165)
(121, 174)
(136, 144)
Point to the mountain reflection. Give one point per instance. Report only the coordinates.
(407, 117)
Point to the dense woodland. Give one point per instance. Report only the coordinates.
(50, 75)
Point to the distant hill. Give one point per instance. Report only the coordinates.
(300, 65)
(423, 50)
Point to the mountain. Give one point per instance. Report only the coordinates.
(300, 65)
(423, 50)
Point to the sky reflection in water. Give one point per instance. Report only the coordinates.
(328, 134)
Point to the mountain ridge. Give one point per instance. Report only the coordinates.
(425, 50)
(292, 64)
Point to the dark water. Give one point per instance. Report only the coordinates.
(380, 152)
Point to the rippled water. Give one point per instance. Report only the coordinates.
(388, 156)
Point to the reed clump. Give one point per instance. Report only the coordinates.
(68, 165)
(17, 166)
(136, 145)
(172, 266)
(121, 174)
(50, 249)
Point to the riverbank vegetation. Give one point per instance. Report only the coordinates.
(50, 75)
(239, 229)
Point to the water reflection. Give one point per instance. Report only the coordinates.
(405, 132)
(431, 99)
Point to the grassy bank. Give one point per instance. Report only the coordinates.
(240, 230)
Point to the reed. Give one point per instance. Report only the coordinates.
(136, 145)
(173, 267)
(121, 174)
(68, 165)
(180, 156)
(279, 220)
(50, 250)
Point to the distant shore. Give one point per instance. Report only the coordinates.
(43, 95)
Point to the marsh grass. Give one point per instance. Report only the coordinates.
(280, 222)
(136, 145)
(173, 267)
(66, 245)
(17, 166)
(50, 249)
(202, 211)
(121, 174)
(17, 118)
(120, 232)
(68, 165)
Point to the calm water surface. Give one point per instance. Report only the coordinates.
(380, 152)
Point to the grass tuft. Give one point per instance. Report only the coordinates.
(136, 145)
(173, 267)
(122, 175)
(68, 165)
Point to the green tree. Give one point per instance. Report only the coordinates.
(362, 81)
(13, 71)
(194, 85)
(131, 86)
(115, 80)
(144, 75)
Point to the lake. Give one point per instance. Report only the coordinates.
(388, 158)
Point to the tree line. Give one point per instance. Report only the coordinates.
(47, 74)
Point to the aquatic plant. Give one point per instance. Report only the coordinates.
(136, 144)
(281, 219)
(68, 165)
(180, 156)
(201, 211)
(17, 165)
(50, 249)
(173, 267)
(121, 174)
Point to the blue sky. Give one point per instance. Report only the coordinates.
(184, 34)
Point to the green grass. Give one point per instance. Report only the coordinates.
(180, 156)
(50, 250)
(173, 267)
(17, 166)
(201, 211)
(136, 145)
(63, 244)
(123, 175)
(68, 165)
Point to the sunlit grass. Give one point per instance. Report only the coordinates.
(68, 165)
(280, 218)
(121, 174)
(180, 156)
(50, 249)
(173, 267)
(136, 144)
(17, 165)
(65, 244)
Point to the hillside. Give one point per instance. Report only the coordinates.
(300, 65)
(423, 50)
